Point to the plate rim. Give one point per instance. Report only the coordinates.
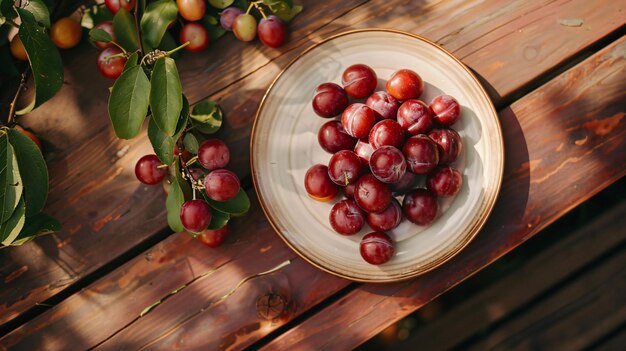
(490, 198)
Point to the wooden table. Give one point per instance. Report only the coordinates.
(116, 278)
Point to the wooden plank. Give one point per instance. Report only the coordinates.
(508, 227)
(614, 342)
(512, 292)
(42, 269)
(572, 318)
(555, 137)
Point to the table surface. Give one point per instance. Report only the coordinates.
(115, 277)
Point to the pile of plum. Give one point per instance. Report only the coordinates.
(384, 142)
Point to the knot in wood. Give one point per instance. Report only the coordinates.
(270, 306)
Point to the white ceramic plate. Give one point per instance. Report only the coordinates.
(284, 145)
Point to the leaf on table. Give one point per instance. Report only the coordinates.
(45, 60)
(283, 9)
(221, 4)
(166, 96)
(10, 229)
(155, 20)
(173, 204)
(97, 34)
(236, 207)
(39, 11)
(163, 144)
(94, 15)
(7, 10)
(213, 27)
(37, 225)
(191, 143)
(10, 181)
(218, 219)
(33, 171)
(207, 117)
(129, 101)
(124, 29)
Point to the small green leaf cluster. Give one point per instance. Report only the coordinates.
(23, 190)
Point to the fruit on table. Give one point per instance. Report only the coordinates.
(421, 153)
(444, 181)
(357, 120)
(195, 215)
(227, 17)
(318, 184)
(376, 248)
(221, 185)
(329, 100)
(449, 144)
(415, 117)
(446, 110)
(346, 217)
(386, 132)
(196, 35)
(17, 49)
(115, 5)
(148, 170)
(333, 138)
(213, 154)
(214, 237)
(359, 81)
(348, 190)
(420, 207)
(111, 67)
(384, 105)
(244, 27)
(388, 164)
(66, 33)
(405, 84)
(386, 220)
(344, 167)
(106, 26)
(191, 10)
(364, 150)
(371, 194)
(272, 31)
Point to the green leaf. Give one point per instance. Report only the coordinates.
(173, 203)
(283, 9)
(162, 144)
(218, 219)
(10, 229)
(131, 62)
(221, 4)
(242, 4)
(10, 181)
(128, 103)
(6, 9)
(33, 171)
(207, 117)
(155, 20)
(237, 206)
(39, 11)
(44, 58)
(166, 96)
(191, 143)
(184, 185)
(169, 43)
(94, 15)
(39, 224)
(124, 29)
(213, 27)
(100, 35)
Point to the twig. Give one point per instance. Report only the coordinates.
(13, 105)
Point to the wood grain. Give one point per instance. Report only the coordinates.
(572, 318)
(511, 293)
(562, 145)
(100, 223)
(189, 318)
